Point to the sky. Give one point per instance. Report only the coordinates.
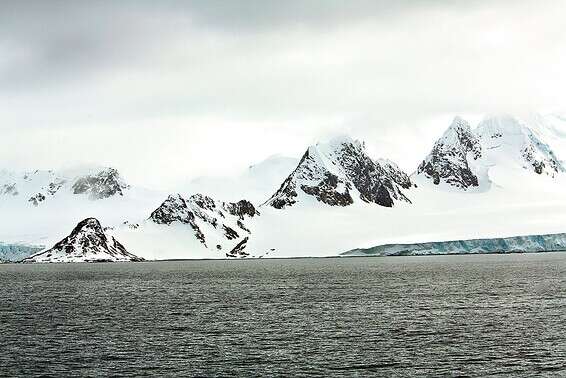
(168, 90)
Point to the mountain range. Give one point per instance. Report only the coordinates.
(503, 177)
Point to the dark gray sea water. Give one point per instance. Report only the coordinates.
(399, 316)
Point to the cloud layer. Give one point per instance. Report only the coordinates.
(180, 88)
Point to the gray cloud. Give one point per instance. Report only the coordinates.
(295, 69)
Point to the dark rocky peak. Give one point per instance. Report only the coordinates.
(241, 209)
(335, 173)
(173, 209)
(88, 226)
(203, 202)
(103, 184)
(460, 137)
(451, 156)
(87, 242)
(393, 171)
(205, 206)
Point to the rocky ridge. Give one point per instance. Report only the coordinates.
(218, 225)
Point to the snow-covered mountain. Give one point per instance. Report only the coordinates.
(38, 186)
(212, 228)
(88, 242)
(38, 206)
(340, 172)
(503, 177)
(472, 159)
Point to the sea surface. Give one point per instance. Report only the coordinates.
(390, 316)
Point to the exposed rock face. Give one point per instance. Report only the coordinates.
(327, 191)
(103, 184)
(88, 242)
(240, 249)
(217, 225)
(37, 199)
(241, 209)
(339, 172)
(450, 158)
(176, 209)
(395, 173)
(9, 189)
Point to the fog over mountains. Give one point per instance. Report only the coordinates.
(500, 178)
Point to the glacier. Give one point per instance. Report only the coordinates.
(17, 252)
(514, 244)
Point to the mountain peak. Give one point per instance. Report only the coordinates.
(102, 184)
(450, 158)
(335, 173)
(463, 157)
(87, 242)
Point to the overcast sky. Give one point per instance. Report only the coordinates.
(165, 90)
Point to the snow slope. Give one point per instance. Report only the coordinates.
(256, 184)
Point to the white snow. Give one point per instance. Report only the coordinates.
(255, 184)
(512, 200)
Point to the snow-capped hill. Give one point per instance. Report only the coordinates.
(452, 158)
(508, 139)
(88, 242)
(217, 225)
(103, 184)
(338, 173)
(37, 187)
